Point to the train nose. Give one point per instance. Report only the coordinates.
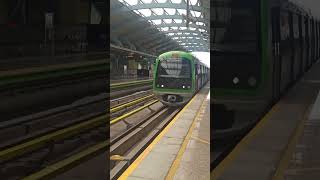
(172, 98)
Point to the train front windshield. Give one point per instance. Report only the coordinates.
(235, 43)
(174, 73)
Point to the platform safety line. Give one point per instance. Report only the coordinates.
(218, 171)
(144, 154)
(286, 157)
(176, 163)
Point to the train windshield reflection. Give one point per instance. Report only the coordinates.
(174, 68)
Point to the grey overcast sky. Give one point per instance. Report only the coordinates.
(313, 5)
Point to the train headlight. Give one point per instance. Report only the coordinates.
(235, 80)
(183, 87)
(188, 87)
(252, 81)
(162, 85)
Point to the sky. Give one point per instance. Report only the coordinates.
(203, 57)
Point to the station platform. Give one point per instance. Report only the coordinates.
(285, 143)
(182, 149)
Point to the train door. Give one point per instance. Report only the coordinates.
(312, 42)
(285, 51)
(306, 38)
(296, 53)
(196, 70)
(317, 40)
(202, 75)
(276, 74)
(198, 79)
(308, 35)
(302, 45)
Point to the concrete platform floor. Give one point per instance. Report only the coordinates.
(182, 149)
(304, 162)
(195, 163)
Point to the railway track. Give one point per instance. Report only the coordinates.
(35, 142)
(136, 133)
(54, 141)
(34, 154)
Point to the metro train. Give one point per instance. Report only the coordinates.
(259, 49)
(177, 77)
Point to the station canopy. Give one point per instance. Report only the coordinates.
(170, 18)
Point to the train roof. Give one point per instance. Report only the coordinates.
(293, 5)
(185, 54)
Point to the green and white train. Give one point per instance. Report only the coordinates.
(259, 49)
(177, 77)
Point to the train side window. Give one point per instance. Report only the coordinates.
(303, 30)
(286, 49)
(196, 69)
(284, 25)
(295, 26)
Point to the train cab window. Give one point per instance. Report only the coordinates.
(174, 73)
(175, 67)
(235, 38)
